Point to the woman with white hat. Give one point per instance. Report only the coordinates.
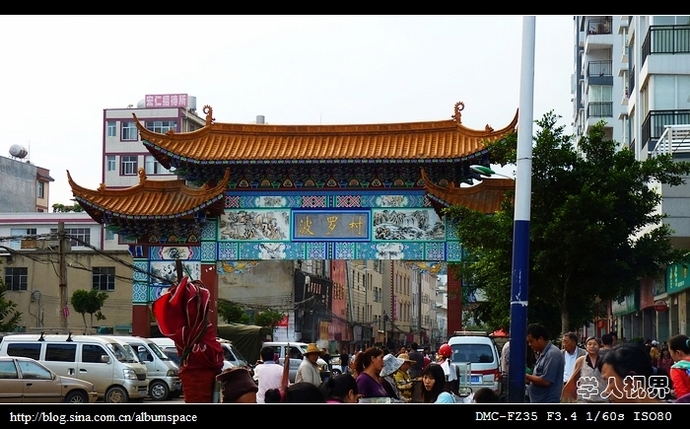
(390, 365)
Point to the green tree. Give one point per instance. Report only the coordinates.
(232, 312)
(9, 316)
(89, 302)
(269, 318)
(61, 208)
(594, 229)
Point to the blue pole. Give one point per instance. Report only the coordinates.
(523, 188)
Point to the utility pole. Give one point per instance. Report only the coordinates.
(62, 249)
(519, 288)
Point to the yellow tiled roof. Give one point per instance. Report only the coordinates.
(158, 199)
(225, 143)
(485, 196)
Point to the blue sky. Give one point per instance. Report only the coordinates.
(61, 72)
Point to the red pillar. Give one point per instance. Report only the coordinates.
(454, 302)
(141, 320)
(210, 280)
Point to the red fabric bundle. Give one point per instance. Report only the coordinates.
(198, 384)
(182, 315)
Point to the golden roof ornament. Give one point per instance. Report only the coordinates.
(209, 114)
(459, 107)
(142, 175)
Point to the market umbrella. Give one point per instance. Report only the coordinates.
(183, 315)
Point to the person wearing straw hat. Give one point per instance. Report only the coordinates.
(390, 365)
(402, 378)
(308, 370)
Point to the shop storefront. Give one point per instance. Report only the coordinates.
(678, 289)
(625, 310)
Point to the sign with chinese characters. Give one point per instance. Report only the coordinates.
(625, 304)
(677, 278)
(166, 100)
(323, 225)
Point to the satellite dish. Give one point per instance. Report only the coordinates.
(18, 151)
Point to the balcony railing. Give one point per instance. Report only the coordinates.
(656, 122)
(600, 109)
(674, 140)
(600, 68)
(666, 39)
(600, 25)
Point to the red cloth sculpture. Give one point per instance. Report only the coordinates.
(182, 314)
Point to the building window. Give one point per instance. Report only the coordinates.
(112, 128)
(81, 234)
(153, 166)
(128, 165)
(16, 279)
(18, 234)
(110, 162)
(161, 126)
(129, 131)
(104, 278)
(40, 191)
(109, 235)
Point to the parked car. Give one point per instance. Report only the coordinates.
(479, 351)
(335, 366)
(231, 356)
(26, 380)
(295, 353)
(111, 365)
(162, 372)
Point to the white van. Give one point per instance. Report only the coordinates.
(295, 352)
(111, 365)
(478, 350)
(163, 373)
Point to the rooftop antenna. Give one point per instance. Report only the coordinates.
(42, 338)
(69, 337)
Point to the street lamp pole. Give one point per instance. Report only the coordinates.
(523, 188)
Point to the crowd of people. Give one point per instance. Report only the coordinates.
(595, 370)
(373, 375)
(604, 370)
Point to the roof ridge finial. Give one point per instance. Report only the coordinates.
(459, 107)
(142, 175)
(209, 114)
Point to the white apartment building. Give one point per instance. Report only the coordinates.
(598, 84)
(634, 72)
(123, 151)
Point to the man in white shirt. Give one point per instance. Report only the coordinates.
(570, 352)
(269, 374)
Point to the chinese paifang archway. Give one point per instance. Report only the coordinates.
(249, 192)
